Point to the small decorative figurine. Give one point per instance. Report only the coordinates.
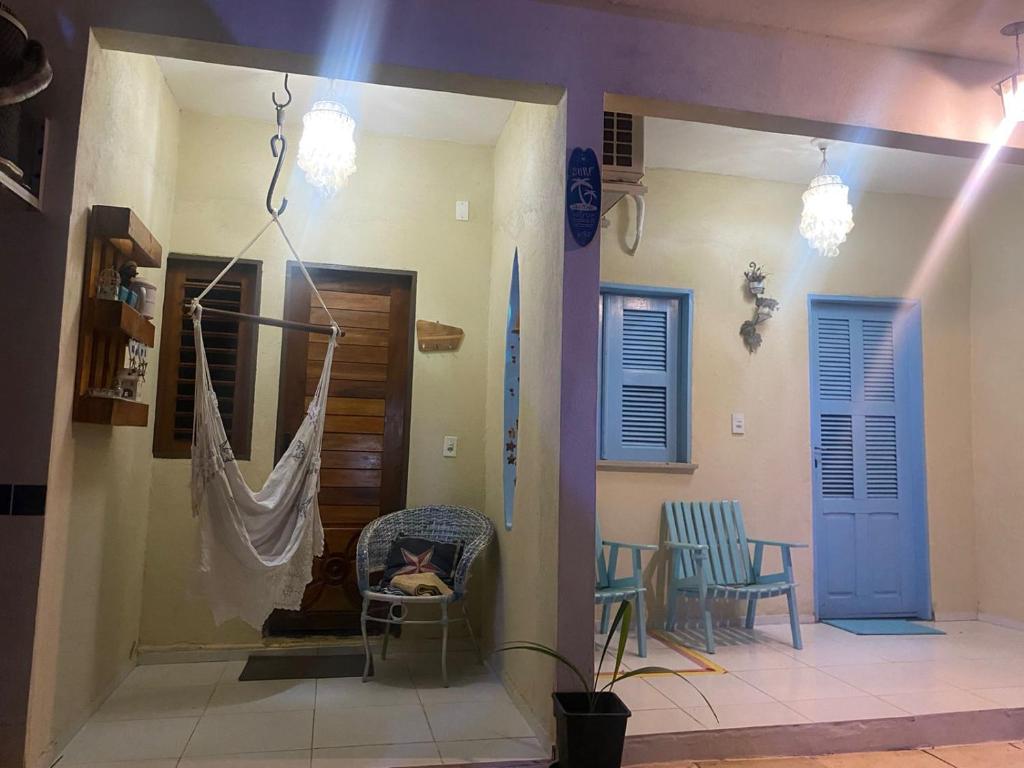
(764, 307)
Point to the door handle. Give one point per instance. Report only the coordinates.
(816, 455)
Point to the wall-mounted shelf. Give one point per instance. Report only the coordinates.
(116, 235)
(116, 316)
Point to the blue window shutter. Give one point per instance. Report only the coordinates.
(640, 389)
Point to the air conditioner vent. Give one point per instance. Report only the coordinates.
(623, 151)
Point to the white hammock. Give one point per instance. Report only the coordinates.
(256, 547)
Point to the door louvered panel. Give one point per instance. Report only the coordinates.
(644, 416)
(881, 467)
(879, 360)
(640, 383)
(837, 480)
(835, 370)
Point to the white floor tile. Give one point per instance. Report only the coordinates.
(638, 694)
(932, 702)
(249, 732)
(129, 740)
(746, 715)
(833, 653)
(796, 684)
(726, 689)
(344, 692)
(738, 658)
(232, 669)
(176, 675)
(482, 687)
(982, 673)
(1004, 697)
(377, 756)
(288, 759)
(839, 710)
(141, 702)
(679, 690)
(890, 678)
(661, 721)
(491, 750)
(470, 721)
(404, 724)
(262, 696)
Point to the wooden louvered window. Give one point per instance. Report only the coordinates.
(230, 352)
(645, 398)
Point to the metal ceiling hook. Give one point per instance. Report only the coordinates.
(278, 147)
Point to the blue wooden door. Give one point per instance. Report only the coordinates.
(870, 518)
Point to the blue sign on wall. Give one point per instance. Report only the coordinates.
(583, 195)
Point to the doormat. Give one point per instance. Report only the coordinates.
(292, 667)
(883, 627)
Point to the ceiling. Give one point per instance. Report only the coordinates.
(965, 28)
(783, 157)
(218, 89)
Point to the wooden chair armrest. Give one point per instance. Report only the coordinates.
(624, 545)
(768, 543)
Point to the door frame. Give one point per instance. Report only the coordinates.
(909, 312)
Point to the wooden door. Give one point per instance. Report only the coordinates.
(366, 435)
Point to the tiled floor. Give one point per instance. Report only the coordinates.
(837, 676)
(1000, 755)
(197, 715)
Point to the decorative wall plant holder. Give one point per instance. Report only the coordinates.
(764, 307)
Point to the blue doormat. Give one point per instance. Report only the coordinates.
(883, 627)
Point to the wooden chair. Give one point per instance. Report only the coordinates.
(611, 589)
(710, 559)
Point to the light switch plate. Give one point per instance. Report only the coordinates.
(451, 447)
(462, 210)
(739, 424)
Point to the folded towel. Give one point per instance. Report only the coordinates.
(421, 584)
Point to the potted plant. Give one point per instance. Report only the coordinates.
(755, 279)
(590, 725)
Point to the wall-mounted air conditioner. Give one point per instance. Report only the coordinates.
(622, 166)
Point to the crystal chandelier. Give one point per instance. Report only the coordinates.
(1011, 89)
(327, 149)
(827, 216)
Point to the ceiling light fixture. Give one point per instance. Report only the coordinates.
(827, 216)
(327, 149)
(1011, 89)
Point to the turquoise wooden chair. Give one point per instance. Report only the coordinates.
(611, 589)
(710, 559)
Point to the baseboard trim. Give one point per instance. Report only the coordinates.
(911, 732)
(1001, 621)
(957, 616)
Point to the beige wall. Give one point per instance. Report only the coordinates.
(398, 212)
(997, 368)
(701, 232)
(528, 215)
(96, 516)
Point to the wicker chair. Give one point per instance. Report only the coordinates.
(439, 523)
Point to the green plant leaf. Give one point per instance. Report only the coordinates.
(659, 671)
(526, 645)
(623, 617)
(608, 641)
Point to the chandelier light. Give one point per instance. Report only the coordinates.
(827, 216)
(1011, 89)
(327, 149)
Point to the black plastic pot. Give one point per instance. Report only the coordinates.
(586, 739)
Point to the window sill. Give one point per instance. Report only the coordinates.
(666, 467)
